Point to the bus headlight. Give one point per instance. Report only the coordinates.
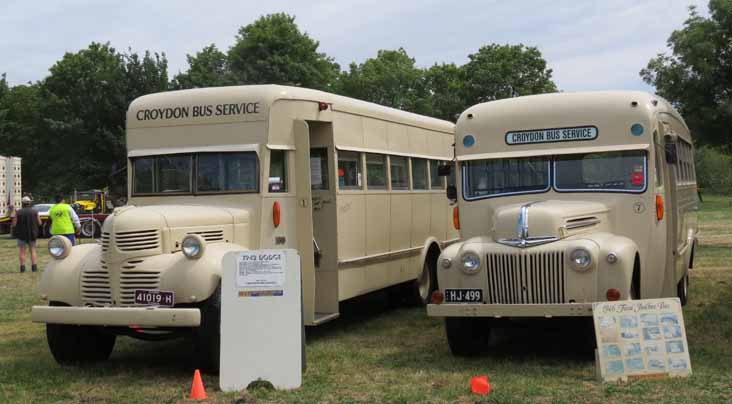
(580, 259)
(59, 247)
(470, 262)
(193, 246)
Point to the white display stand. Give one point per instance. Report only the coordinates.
(261, 319)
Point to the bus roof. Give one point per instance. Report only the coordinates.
(539, 117)
(252, 103)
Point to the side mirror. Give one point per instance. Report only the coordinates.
(451, 192)
(444, 170)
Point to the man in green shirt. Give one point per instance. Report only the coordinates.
(64, 221)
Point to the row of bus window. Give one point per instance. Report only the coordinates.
(685, 173)
(375, 171)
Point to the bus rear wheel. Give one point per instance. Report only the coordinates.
(467, 336)
(423, 286)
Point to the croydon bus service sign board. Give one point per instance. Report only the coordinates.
(551, 135)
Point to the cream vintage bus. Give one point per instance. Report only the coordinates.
(566, 199)
(351, 185)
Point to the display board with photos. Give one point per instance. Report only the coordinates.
(641, 338)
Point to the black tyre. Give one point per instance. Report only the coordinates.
(421, 288)
(467, 335)
(90, 228)
(75, 344)
(207, 337)
(682, 290)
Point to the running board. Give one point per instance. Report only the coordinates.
(321, 318)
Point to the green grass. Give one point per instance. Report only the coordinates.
(375, 353)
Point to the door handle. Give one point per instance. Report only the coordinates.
(304, 203)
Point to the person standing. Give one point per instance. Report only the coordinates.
(25, 228)
(64, 221)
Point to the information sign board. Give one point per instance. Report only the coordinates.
(641, 338)
(261, 319)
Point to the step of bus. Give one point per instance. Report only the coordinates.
(321, 318)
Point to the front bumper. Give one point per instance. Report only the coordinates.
(510, 310)
(117, 316)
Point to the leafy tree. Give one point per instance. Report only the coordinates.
(504, 71)
(446, 83)
(391, 79)
(207, 68)
(697, 76)
(87, 95)
(272, 49)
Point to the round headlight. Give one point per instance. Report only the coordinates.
(59, 247)
(192, 246)
(580, 259)
(470, 262)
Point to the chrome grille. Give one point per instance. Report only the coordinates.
(136, 280)
(95, 286)
(210, 235)
(105, 241)
(137, 240)
(526, 277)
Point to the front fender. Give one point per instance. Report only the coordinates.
(194, 280)
(61, 280)
(618, 275)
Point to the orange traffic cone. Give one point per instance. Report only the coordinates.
(197, 390)
(480, 385)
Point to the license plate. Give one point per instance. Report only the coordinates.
(464, 295)
(154, 297)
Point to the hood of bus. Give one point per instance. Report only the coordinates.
(157, 229)
(548, 220)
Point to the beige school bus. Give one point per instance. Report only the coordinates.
(351, 185)
(564, 200)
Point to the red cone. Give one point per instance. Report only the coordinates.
(480, 385)
(197, 390)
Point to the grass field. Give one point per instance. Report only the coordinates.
(375, 353)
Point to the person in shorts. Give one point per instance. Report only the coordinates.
(25, 229)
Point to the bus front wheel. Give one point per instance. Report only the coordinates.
(682, 289)
(207, 337)
(467, 336)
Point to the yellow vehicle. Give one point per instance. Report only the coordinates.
(351, 185)
(565, 200)
(93, 207)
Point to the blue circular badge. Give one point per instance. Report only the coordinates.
(468, 141)
(636, 129)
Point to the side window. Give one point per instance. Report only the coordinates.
(277, 171)
(319, 169)
(143, 173)
(349, 170)
(436, 181)
(375, 171)
(399, 173)
(419, 174)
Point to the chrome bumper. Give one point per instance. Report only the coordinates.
(510, 310)
(117, 316)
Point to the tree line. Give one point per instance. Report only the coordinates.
(69, 126)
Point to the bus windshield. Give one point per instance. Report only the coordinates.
(195, 173)
(623, 171)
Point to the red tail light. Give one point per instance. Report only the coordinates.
(456, 218)
(276, 214)
(612, 295)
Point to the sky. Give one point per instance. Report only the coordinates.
(589, 44)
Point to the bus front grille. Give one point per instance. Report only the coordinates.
(526, 278)
(95, 289)
(136, 280)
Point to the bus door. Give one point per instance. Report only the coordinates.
(316, 220)
(671, 214)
